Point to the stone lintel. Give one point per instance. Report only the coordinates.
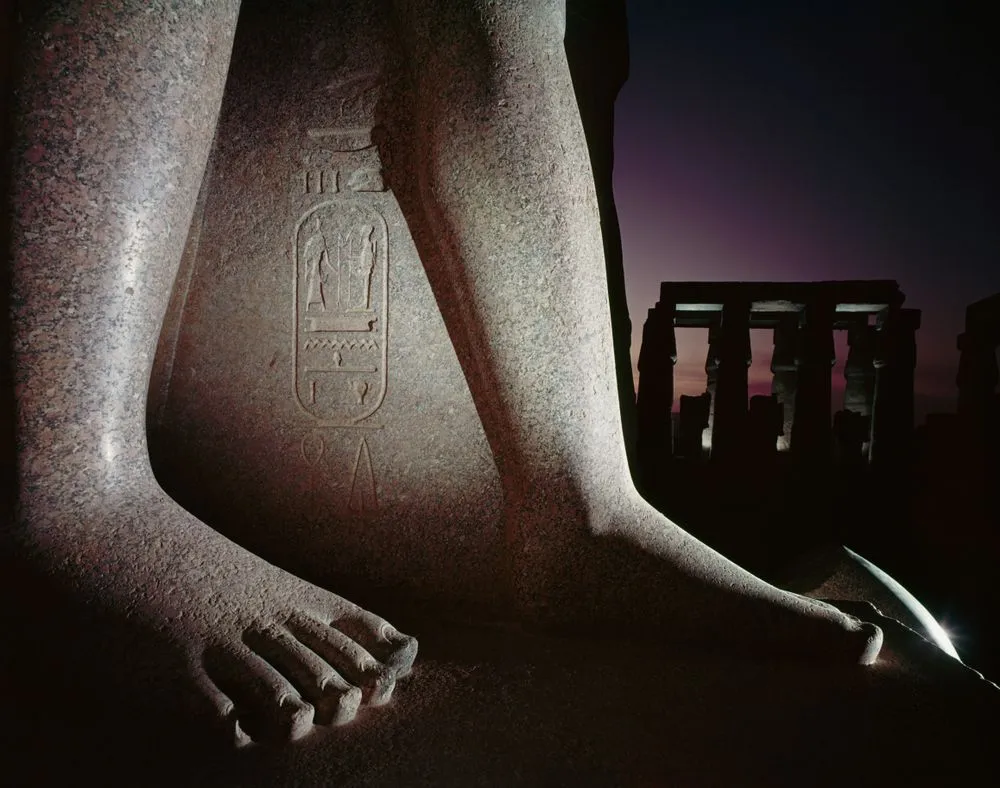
(758, 319)
(863, 293)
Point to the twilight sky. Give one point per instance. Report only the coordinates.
(812, 140)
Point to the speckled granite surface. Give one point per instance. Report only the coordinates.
(116, 109)
(309, 372)
(141, 635)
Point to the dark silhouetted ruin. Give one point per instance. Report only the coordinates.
(877, 422)
(766, 479)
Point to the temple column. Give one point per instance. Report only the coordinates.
(764, 425)
(692, 423)
(811, 431)
(655, 398)
(712, 376)
(729, 428)
(859, 374)
(850, 434)
(859, 370)
(892, 409)
(785, 374)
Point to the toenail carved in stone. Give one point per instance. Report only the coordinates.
(334, 699)
(266, 705)
(240, 737)
(402, 656)
(390, 634)
(346, 656)
(392, 648)
(379, 686)
(297, 717)
(226, 716)
(344, 708)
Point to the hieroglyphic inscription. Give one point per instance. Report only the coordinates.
(340, 255)
(330, 180)
(340, 344)
(352, 477)
(313, 447)
(363, 480)
(320, 181)
(341, 269)
(342, 156)
(328, 172)
(340, 252)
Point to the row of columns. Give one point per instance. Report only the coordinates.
(878, 396)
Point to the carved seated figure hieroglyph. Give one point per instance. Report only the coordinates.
(386, 366)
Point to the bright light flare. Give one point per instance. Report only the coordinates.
(921, 613)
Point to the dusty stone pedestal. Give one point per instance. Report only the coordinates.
(489, 708)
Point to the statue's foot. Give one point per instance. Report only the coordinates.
(266, 654)
(302, 657)
(629, 570)
(283, 679)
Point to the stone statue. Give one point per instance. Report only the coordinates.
(485, 152)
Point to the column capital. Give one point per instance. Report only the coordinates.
(816, 334)
(659, 342)
(862, 340)
(896, 339)
(785, 339)
(860, 334)
(734, 334)
(714, 341)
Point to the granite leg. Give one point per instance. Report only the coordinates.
(117, 107)
(498, 191)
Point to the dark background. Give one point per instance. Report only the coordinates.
(820, 140)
